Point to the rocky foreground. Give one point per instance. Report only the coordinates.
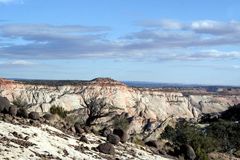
(22, 139)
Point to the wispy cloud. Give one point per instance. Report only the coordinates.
(200, 26)
(20, 62)
(158, 40)
(16, 63)
(165, 24)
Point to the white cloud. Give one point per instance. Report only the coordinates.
(20, 62)
(215, 27)
(16, 63)
(200, 26)
(178, 42)
(165, 24)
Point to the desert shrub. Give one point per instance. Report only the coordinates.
(121, 122)
(20, 103)
(186, 133)
(58, 110)
(169, 133)
(232, 113)
(201, 154)
(137, 140)
(226, 133)
(72, 119)
(97, 108)
(220, 135)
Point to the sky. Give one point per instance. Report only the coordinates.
(170, 41)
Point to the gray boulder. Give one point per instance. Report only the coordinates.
(152, 143)
(105, 132)
(34, 115)
(188, 152)
(78, 128)
(84, 139)
(106, 148)
(13, 110)
(114, 139)
(22, 112)
(4, 105)
(122, 134)
(47, 116)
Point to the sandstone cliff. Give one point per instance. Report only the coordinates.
(156, 104)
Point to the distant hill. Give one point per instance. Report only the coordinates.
(138, 84)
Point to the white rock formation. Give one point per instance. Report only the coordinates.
(155, 104)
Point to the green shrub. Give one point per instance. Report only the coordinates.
(221, 135)
(121, 123)
(58, 110)
(137, 140)
(226, 133)
(201, 153)
(186, 133)
(169, 133)
(232, 113)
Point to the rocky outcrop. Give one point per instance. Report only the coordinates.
(23, 141)
(141, 103)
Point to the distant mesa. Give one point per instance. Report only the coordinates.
(108, 81)
(4, 81)
(96, 81)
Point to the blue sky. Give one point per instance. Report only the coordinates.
(173, 41)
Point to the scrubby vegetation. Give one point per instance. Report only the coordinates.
(185, 133)
(97, 108)
(221, 135)
(58, 110)
(226, 133)
(137, 140)
(232, 114)
(121, 122)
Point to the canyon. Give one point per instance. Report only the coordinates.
(150, 103)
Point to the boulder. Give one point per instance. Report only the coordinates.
(1, 108)
(87, 129)
(105, 132)
(78, 128)
(4, 105)
(22, 112)
(34, 115)
(106, 148)
(114, 139)
(152, 143)
(52, 118)
(47, 116)
(84, 139)
(94, 130)
(13, 110)
(72, 129)
(122, 134)
(188, 152)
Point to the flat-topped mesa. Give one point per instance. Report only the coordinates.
(5, 82)
(106, 81)
(141, 103)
